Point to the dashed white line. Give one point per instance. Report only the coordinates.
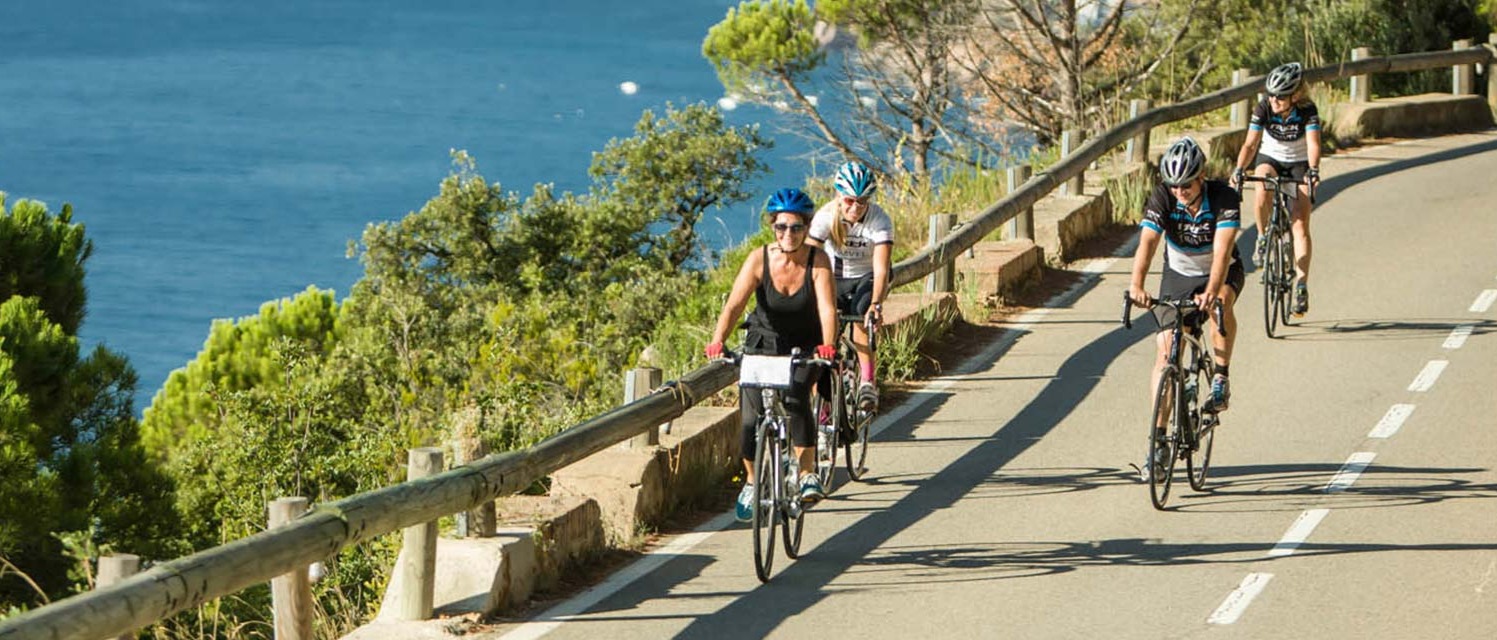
(1231, 609)
(1458, 336)
(1299, 532)
(1392, 421)
(1484, 301)
(1427, 376)
(1350, 471)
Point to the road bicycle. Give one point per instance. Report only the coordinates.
(1278, 260)
(850, 425)
(776, 468)
(1183, 429)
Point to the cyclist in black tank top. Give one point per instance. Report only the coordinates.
(792, 284)
(781, 322)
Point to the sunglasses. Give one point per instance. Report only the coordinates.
(792, 228)
(1280, 98)
(1182, 187)
(854, 202)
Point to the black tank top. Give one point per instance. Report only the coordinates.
(781, 322)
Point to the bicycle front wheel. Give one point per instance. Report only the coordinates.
(767, 484)
(1162, 446)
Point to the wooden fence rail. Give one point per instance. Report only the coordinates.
(173, 586)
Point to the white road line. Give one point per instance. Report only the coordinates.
(1299, 532)
(553, 617)
(1350, 471)
(1391, 421)
(1231, 609)
(1484, 301)
(1458, 336)
(1428, 375)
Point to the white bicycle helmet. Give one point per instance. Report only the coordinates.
(855, 180)
(1284, 79)
(1183, 162)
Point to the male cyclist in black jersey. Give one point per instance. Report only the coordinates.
(1291, 148)
(1199, 220)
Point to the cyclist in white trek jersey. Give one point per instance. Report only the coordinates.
(859, 237)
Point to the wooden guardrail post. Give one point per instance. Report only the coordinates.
(1241, 111)
(1138, 146)
(418, 551)
(1361, 89)
(1069, 141)
(939, 281)
(291, 592)
(1021, 226)
(115, 568)
(1462, 76)
(639, 383)
(1492, 72)
(483, 521)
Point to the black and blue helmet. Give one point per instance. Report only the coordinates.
(789, 199)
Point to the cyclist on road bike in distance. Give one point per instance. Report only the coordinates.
(859, 237)
(1291, 148)
(1199, 220)
(791, 282)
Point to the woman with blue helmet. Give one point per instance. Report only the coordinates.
(859, 237)
(791, 282)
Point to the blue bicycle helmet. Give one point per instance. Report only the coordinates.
(855, 180)
(789, 199)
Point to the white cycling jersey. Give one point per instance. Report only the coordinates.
(855, 258)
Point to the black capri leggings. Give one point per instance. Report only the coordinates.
(797, 402)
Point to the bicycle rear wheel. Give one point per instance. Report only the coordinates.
(792, 512)
(827, 440)
(1203, 427)
(767, 487)
(1163, 427)
(1286, 277)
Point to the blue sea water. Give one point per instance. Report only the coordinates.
(222, 154)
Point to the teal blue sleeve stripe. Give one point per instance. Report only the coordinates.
(1228, 224)
(1150, 225)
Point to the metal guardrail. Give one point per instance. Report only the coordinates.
(177, 585)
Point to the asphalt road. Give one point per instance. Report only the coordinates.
(1353, 491)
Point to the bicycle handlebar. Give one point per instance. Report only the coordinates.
(796, 360)
(1277, 182)
(1181, 308)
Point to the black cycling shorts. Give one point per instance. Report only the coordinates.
(855, 295)
(1174, 286)
(1296, 170)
